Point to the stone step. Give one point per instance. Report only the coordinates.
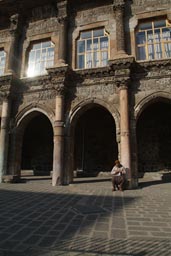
(27, 172)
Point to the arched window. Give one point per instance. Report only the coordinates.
(92, 49)
(2, 62)
(41, 56)
(153, 40)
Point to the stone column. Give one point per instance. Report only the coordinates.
(118, 6)
(57, 176)
(62, 40)
(4, 137)
(14, 31)
(124, 127)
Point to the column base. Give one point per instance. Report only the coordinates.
(132, 183)
(121, 54)
(61, 63)
(10, 178)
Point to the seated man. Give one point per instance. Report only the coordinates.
(118, 176)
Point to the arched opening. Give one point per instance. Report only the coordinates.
(37, 146)
(95, 146)
(154, 138)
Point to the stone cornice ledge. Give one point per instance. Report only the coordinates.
(37, 80)
(6, 80)
(94, 72)
(154, 63)
(122, 63)
(58, 71)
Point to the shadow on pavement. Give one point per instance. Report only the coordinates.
(56, 222)
(143, 184)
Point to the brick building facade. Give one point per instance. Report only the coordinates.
(83, 83)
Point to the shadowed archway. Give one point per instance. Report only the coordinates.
(154, 137)
(95, 146)
(37, 146)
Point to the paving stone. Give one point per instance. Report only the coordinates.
(33, 240)
(118, 233)
(47, 241)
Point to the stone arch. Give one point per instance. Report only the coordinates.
(71, 122)
(82, 106)
(23, 119)
(145, 102)
(153, 123)
(30, 109)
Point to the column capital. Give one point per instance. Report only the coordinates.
(15, 24)
(59, 89)
(62, 20)
(118, 5)
(122, 84)
(4, 96)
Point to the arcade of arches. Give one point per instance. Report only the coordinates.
(154, 137)
(95, 145)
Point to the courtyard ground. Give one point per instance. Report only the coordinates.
(85, 218)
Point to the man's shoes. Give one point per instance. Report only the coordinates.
(113, 189)
(120, 188)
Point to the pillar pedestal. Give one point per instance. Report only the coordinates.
(57, 176)
(4, 138)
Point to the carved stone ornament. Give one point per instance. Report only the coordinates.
(122, 63)
(62, 20)
(60, 89)
(4, 95)
(58, 71)
(122, 83)
(94, 73)
(100, 91)
(4, 35)
(5, 81)
(154, 69)
(43, 12)
(14, 22)
(41, 81)
(38, 27)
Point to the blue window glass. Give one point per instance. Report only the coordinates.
(2, 62)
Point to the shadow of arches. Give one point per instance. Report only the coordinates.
(41, 220)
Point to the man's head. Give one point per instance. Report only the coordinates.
(117, 162)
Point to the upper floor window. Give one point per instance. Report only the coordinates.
(2, 62)
(153, 40)
(92, 49)
(41, 56)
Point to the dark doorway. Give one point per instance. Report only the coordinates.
(95, 142)
(37, 150)
(154, 138)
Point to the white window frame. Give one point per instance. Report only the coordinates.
(2, 61)
(94, 54)
(155, 41)
(38, 59)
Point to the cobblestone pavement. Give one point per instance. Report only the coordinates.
(88, 219)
